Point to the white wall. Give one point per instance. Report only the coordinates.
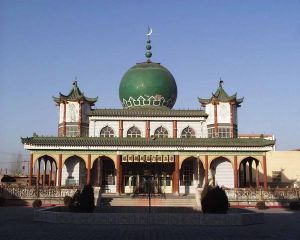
(61, 112)
(223, 173)
(196, 125)
(139, 124)
(223, 110)
(166, 124)
(209, 109)
(72, 112)
(96, 126)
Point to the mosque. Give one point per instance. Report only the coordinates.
(177, 150)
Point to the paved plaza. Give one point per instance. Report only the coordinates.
(17, 223)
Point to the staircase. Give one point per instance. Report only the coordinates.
(143, 201)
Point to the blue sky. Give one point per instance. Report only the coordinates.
(253, 45)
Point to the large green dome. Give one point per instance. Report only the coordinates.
(148, 84)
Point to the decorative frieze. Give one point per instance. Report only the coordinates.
(148, 158)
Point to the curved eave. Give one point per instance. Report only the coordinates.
(62, 98)
(91, 100)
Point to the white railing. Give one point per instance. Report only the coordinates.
(34, 192)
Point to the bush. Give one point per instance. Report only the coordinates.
(2, 202)
(294, 205)
(214, 200)
(67, 200)
(83, 201)
(75, 202)
(261, 205)
(37, 203)
(87, 199)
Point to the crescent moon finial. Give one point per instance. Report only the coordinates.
(148, 53)
(149, 31)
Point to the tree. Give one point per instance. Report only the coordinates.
(16, 165)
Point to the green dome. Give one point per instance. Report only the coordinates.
(148, 84)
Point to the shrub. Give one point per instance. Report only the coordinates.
(87, 199)
(83, 201)
(214, 200)
(261, 205)
(37, 203)
(2, 202)
(294, 205)
(67, 200)
(75, 202)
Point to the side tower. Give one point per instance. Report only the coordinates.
(73, 113)
(221, 108)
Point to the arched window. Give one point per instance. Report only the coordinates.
(161, 132)
(107, 132)
(188, 133)
(134, 132)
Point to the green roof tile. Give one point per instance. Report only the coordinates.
(148, 112)
(162, 142)
(221, 96)
(74, 95)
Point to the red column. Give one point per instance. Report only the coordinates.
(257, 175)
(98, 171)
(59, 169)
(50, 174)
(235, 172)
(147, 129)
(39, 172)
(55, 176)
(250, 173)
(174, 128)
(45, 172)
(206, 169)
(120, 128)
(176, 175)
(30, 169)
(265, 173)
(88, 177)
(119, 174)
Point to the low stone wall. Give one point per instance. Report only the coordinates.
(53, 215)
(249, 197)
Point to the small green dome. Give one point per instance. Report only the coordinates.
(148, 84)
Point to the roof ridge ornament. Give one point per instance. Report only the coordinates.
(75, 81)
(148, 53)
(221, 83)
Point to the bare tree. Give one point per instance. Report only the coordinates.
(16, 165)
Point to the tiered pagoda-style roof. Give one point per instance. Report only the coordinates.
(149, 111)
(221, 96)
(143, 142)
(74, 95)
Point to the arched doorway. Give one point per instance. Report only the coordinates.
(46, 171)
(221, 172)
(74, 172)
(188, 176)
(249, 172)
(107, 176)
